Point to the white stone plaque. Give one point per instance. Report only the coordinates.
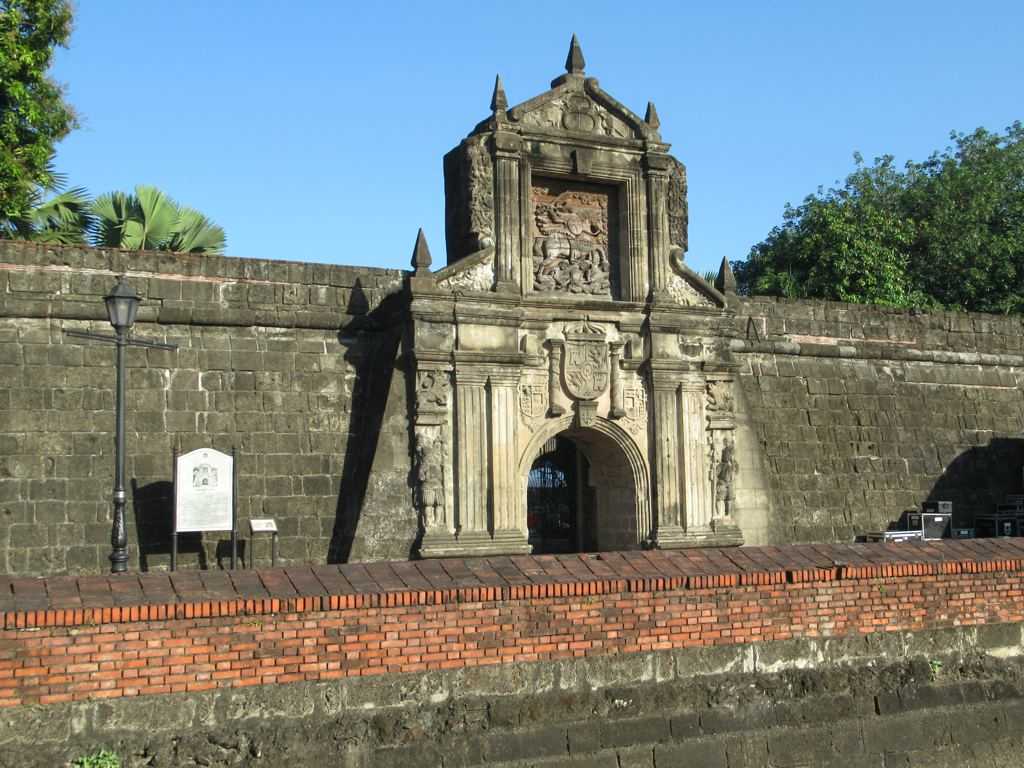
(203, 498)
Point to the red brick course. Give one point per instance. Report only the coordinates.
(67, 639)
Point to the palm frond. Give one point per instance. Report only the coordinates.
(195, 233)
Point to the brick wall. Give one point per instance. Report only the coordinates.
(109, 637)
(292, 364)
(860, 412)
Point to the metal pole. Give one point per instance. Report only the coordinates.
(118, 533)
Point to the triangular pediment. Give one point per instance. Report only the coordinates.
(579, 106)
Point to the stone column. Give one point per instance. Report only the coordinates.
(508, 532)
(506, 210)
(618, 410)
(554, 371)
(471, 451)
(656, 167)
(667, 499)
(697, 506)
(433, 466)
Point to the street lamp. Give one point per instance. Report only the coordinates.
(122, 305)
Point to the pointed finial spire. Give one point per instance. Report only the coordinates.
(421, 255)
(726, 280)
(499, 103)
(651, 118)
(574, 62)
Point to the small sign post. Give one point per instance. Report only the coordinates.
(205, 485)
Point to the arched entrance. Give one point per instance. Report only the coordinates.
(585, 490)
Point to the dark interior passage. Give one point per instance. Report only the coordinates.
(560, 500)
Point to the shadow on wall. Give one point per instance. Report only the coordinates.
(980, 478)
(371, 342)
(153, 507)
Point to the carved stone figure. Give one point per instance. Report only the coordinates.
(469, 189)
(725, 478)
(571, 242)
(431, 452)
(586, 366)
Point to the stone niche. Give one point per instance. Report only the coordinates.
(566, 324)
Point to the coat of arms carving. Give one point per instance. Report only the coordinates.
(586, 366)
(531, 401)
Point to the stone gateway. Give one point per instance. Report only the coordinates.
(567, 228)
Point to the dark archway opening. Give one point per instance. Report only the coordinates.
(560, 504)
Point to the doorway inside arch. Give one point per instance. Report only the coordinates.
(560, 500)
(581, 496)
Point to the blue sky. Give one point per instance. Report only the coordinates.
(315, 130)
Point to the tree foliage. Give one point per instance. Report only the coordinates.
(150, 220)
(33, 114)
(947, 232)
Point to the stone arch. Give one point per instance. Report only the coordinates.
(613, 455)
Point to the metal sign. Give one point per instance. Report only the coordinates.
(204, 496)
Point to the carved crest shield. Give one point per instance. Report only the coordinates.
(586, 363)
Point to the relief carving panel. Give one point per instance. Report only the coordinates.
(573, 237)
(577, 112)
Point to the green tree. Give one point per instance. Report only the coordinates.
(33, 113)
(947, 232)
(150, 220)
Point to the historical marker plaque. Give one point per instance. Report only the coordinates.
(204, 495)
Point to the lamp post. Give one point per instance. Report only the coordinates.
(122, 305)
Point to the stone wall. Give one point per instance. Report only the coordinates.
(293, 365)
(856, 413)
(862, 655)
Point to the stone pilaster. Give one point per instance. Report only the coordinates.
(697, 506)
(433, 459)
(636, 272)
(507, 148)
(504, 490)
(471, 450)
(656, 168)
(668, 531)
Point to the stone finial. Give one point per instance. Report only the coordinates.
(574, 62)
(421, 255)
(651, 118)
(725, 282)
(499, 103)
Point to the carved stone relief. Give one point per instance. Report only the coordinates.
(720, 399)
(724, 471)
(580, 113)
(481, 194)
(532, 402)
(479, 277)
(678, 216)
(586, 365)
(432, 390)
(635, 402)
(431, 460)
(685, 294)
(571, 238)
